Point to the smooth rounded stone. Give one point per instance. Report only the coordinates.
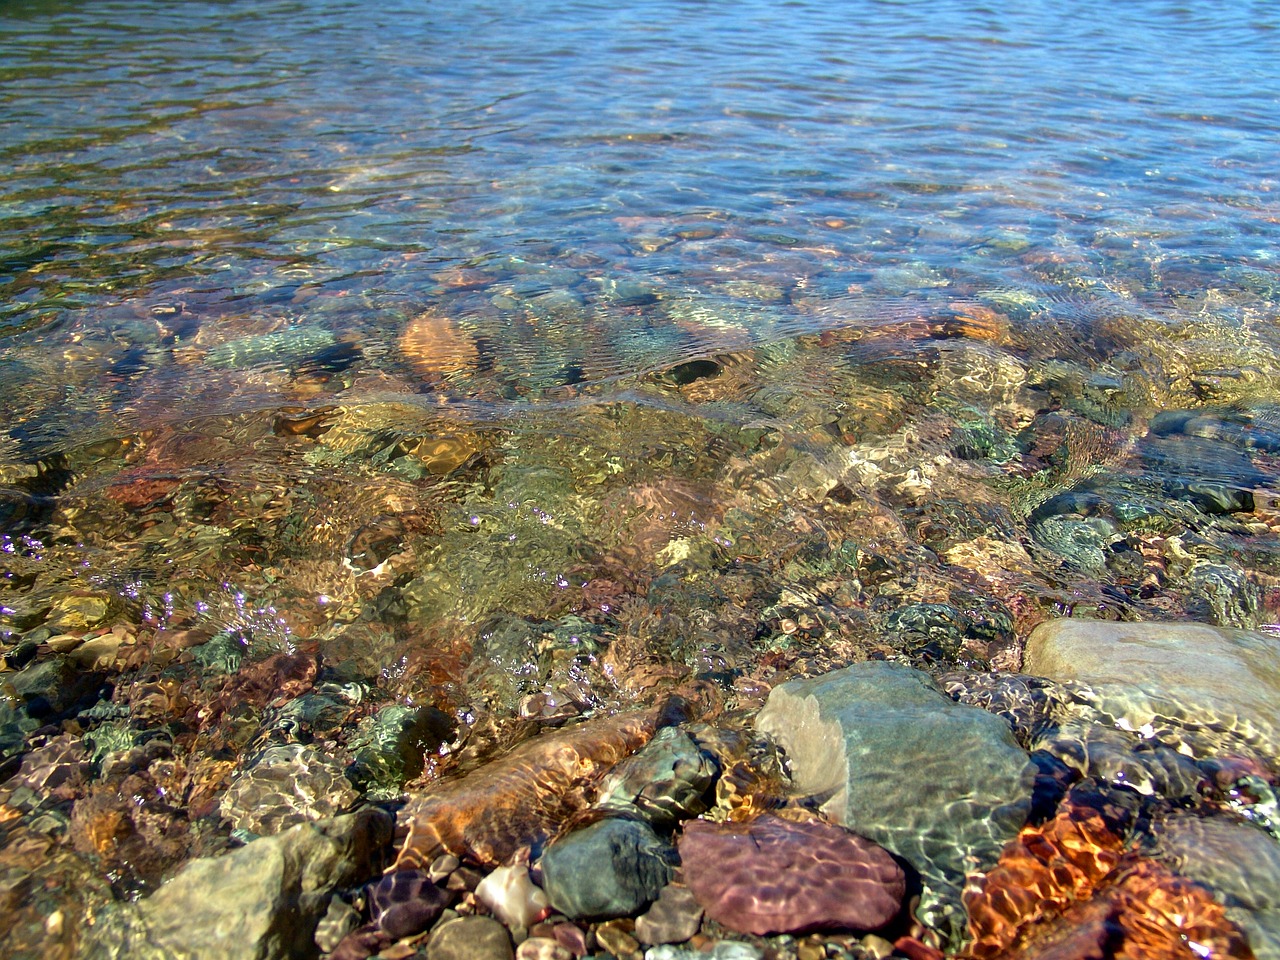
(1239, 862)
(260, 902)
(666, 781)
(1114, 756)
(286, 785)
(1031, 705)
(673, 918)
(390, 747)
(542, 948)
(470, 938)
(513, 896)
(775, 876)
(611, 868)
(941, 784)
(1153, 674)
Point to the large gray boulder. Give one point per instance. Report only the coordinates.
(943, 785)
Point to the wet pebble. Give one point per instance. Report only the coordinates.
(542, 948)
(406, 902)
(673, 918)
(513, 897)
(611, 868)
(470, 938)
(286, 785)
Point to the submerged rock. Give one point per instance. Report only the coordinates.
(613, 868)
(1237, 861)
(666, 781)
(776, 876)
(470, 938)
(941, 784)
(286, 785)
(260, 902)
(1162, 677)
(521, 800)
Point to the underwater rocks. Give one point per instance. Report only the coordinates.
(286, 785)
(521, 800)
(259, 902)
(1151, 675)
(940, 784)
(1070, 888)
(778, 876)
(613, 868)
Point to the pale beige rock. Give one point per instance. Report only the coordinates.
(1153, 674)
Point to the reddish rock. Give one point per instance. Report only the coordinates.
(776, 876)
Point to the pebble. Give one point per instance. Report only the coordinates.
(611, 868)
(513, 897)
(674, 917)
(615, 938)
(542, 948)
(470, 938)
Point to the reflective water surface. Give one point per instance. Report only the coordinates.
(519, 358)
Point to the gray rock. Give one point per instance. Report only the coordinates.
(1187, 675)
(470, 938)
(611, 868)
(286, 785)
(1240, 863)
(260, 902)
(941, 784)
(666, 781)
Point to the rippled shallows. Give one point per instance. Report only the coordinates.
(384, 381)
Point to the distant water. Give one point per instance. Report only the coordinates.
(324, 165)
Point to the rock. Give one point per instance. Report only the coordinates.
(673, 918)
(259, 902)
(392, 747)
(470, 938)
(666, 781)
(940, 784)
(286, 785)
(522, 799)
(405, 902)
(775, 876)
(1151, 675)
(615, 937)
(612, 868)
(513, 897)
(542, 948)
(1239, 862)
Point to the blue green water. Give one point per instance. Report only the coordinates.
(516, 358)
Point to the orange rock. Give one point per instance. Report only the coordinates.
(435, 346)
(522, 799)
(1067, 890)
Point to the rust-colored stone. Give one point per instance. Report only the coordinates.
(522, 799)
(1068, 890)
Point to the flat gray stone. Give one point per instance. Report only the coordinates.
(611, 868)
(943, 785)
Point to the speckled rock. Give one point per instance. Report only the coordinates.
(405, 902)
(611, 868)
(941, 784)
(470, 938)
(286, 785)
(1168, 674)
(777, 876)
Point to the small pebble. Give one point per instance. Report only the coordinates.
(442, 866)
(542, 948)
(470, 938)
(877, 946)
(572, 937)
(674, 917)
(617, 939)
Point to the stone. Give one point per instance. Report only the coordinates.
(665, 781)
(405, 902)
(941, 784)
(260, 902)
(1151, 675)
(285, 785)
(611, 868)
(522, 799)
(542, 948)
(470, 938)
(513, 897)
(1239, 862)
(615, 936)
(778, 876)
(673, 918)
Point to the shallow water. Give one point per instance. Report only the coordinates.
(519, 358)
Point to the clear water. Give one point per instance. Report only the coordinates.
(516, 357)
